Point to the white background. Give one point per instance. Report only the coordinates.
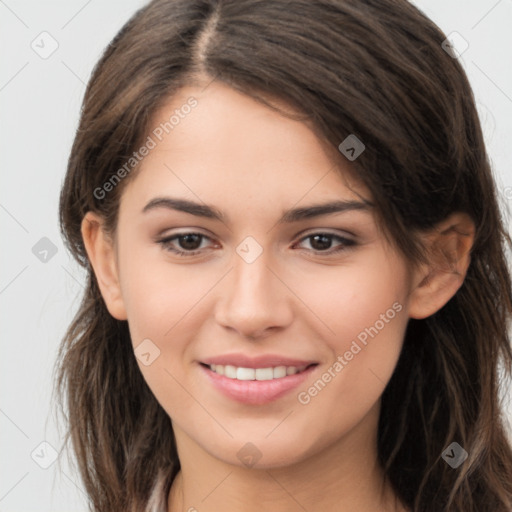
(40, 102)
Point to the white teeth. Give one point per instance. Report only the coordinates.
(245, 373)
(240, 373)
(264, 374)
(279, 372)
(230, 371)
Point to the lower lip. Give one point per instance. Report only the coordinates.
(256, 392)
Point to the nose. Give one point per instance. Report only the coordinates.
(255, 300)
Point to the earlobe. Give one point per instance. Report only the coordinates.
(101, 253)
(449, 248)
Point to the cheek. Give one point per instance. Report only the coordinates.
(159, 295)
(352, 385)
(161, 300)
(352, 299)
(166, 304)
(363, 312)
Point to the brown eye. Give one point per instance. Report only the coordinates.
(322, 242)
(188, 243)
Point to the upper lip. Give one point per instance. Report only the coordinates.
(263, 361)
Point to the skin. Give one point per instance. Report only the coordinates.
(253, 164)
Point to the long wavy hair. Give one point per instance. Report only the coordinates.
(374, 68)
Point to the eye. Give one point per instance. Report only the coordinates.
(189, 243)
(322, 242)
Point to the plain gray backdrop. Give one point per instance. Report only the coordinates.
(40, 285)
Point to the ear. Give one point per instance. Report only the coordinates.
(101, 252)
(448, 247)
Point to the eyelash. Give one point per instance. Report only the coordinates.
(346, 243)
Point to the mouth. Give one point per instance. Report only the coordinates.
(259, 374)
(255, 385)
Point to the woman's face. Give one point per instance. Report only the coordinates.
(270, 284)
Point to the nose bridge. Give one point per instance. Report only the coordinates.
(253, 298)
(251, 276)
(252, 284)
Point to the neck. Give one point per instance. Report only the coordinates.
(344, 477)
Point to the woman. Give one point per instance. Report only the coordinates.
(297, 294)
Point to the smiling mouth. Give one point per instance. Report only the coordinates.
(259, 374)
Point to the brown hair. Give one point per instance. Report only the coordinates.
(373, 68)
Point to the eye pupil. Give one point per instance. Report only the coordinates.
(192, 238)
(324, 244)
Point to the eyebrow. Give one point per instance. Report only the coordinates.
(289, 216)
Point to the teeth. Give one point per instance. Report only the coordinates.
(264, 374)
(245, 373)
(230, 371)
(279, 372)
(240, 373)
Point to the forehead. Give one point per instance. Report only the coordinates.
(223, 146)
